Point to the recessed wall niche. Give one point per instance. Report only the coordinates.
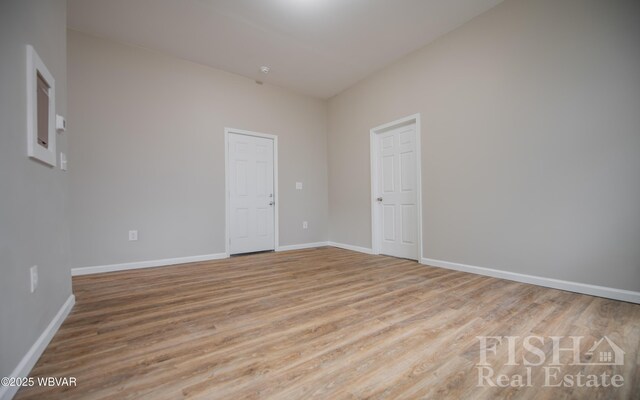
(41, 110)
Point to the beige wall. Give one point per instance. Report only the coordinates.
(147, 153)
(34, 228)
(530, 141)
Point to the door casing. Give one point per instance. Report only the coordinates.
(375, 219)
(227, 198)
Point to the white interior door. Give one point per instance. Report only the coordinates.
(251, 194)
(397, 196)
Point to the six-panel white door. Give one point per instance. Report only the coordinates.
(251, 195)
(397, 192)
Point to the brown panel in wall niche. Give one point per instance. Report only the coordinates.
(43, 112)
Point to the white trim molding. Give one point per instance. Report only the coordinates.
(36, 67)
(99, 269)
(351, 247)
(373, 148)
(31, 357)
(146, 264)
(583, 288)
(302, 246)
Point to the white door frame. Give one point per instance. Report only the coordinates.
(375, 222)
(227, 194)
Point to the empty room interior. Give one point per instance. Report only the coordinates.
(328, 199)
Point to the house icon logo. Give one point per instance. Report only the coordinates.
(605, 352)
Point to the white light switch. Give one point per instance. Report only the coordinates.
(34, 278)
(61, 123)
(63, 161)
(299, 185)
(305, 225)
(133, 236)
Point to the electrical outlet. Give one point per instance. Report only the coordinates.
(34, 278)
(305, 225)
(299, 185)
(133, 236)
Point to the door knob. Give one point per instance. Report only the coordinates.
(271, 203)
(379, 199)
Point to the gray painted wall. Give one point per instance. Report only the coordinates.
(530, 141)
(34, 216)
(147, 153)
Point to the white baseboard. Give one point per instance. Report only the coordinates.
(29, 360)
(302, 246)
(173, 261)
(351, 247)
(584, 288)
(146, 264)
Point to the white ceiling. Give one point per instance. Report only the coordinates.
(315, 47)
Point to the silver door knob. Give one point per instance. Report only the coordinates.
(379, 199)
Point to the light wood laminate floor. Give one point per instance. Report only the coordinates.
(321, 323)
